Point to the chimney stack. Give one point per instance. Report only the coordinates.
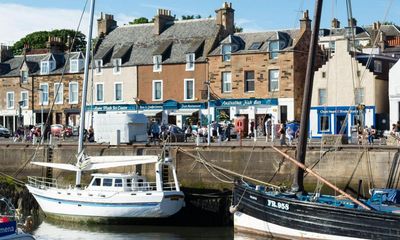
(105, 24)
(335, 23)
(305, 22)
(352, 22)
(55, 45)
(376, 26)
(5, 53)
(226, 18)
(162, 20)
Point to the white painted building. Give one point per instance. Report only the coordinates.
(394, 93)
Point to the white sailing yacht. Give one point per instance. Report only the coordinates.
(109, 196)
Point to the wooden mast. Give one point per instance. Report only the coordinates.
(297, 184)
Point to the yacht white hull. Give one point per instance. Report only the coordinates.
(103, 205)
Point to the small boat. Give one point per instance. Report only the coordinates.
(296, 214)
(109, 197)
(8, 223)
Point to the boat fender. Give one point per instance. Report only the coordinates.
(233, 209)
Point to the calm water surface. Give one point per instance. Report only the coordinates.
(58, 231)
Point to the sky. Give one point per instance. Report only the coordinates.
(21, 17)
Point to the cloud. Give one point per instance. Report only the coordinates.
(18, 20)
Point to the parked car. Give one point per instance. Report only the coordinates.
(4, 132)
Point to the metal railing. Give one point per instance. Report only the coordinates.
(43, 182)
(152, 186)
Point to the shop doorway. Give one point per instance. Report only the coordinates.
(260, 123)
(341, 122)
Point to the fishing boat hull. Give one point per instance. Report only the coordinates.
(262, 213)
(93, 206)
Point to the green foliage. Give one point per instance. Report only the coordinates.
(238, 29)
(188, 17)
(141, 20)
(37, 40)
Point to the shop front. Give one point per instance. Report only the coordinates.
(339, 120)
(255, 110)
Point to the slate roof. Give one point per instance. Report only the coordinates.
(11, 67)
(178, 38)
(243, 41)
(388, 30)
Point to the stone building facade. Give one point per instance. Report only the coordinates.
(260, 75)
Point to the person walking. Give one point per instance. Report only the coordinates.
(268, 128)
(155, 131)
(282, 137)
(252, 127)
(289, 135)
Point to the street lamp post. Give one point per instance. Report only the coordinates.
(208, 114)
(41, 115)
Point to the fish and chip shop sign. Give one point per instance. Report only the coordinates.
(244, 102)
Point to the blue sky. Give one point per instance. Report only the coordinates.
(20, 17)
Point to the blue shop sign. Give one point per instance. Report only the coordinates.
(170, 104)
(339, 109)
(192, 106)
(151, 107)
(122, 107)
(244, 102)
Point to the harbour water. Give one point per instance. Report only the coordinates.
(60, 231)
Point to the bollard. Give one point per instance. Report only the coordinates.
(240, 138)
(197, 140)
(50, 139)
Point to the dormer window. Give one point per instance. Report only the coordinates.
(190, 58)
(24, 76)
(75, 65)
(157, 67)
(117, 65)
(47, 66)
(44, 67)
(99, 66)
(273, 49)
(226, 52)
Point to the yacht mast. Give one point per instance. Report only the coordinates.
(298, 185)
(84, 92)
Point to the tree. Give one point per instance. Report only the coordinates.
(141, 20)
(188, 17)
(238, 29)
(38, 40)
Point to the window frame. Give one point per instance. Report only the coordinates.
(320, 102)
(226, 54)
(153, 93)
(320, 130)
(71, 92)
(270, 82)
(115, 92)
(190, 61)
(98, 66)
(117, 65)
(41, 102)
(247, 80)
(97, 95)
(157, 63)
(273, 53)
(61, 93)
(26, 104)
(8, 99)
(224, 82)
(76, 61)
(42, 69)
(185, 87)
(24, 77)
(378, 66)
(359, 95)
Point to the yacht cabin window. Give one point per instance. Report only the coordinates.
(96, 182)
(118, 182)
(107, 182)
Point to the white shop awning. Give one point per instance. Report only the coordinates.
(150, 113)
(185, 112)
